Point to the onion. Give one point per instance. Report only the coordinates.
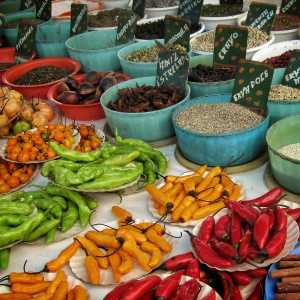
(3, 120)
(39, 119)
(12, 108)
(27, 112)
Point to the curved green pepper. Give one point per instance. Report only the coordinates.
(61, 201)
(132, 142)
(12, 196)
(90, 201)
(12, 220)
(65, 177)
(121, 159)
(4, 258)
(70, 217)
(50, 237)
(70, 165)
(15, 208)
(42, 229)
(88, 173)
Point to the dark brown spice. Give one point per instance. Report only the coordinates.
(221, 10)
(280, 61)
(106, 18)
(285, 22)
(203, 73)
(146, 99)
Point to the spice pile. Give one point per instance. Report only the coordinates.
(282, 92)
(150, 55)
(161, 3)
(145, 99)
(42, 75)
(217, 118)
(106, 18)
(221, 10)
(202, 73)
(285, 22)
(194, 196)
(205, 41)
(291, 151)
(280, 61)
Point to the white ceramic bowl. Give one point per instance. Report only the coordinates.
(249, 54)
(153, 12)
(110, 4)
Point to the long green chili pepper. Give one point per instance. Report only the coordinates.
(83, 209)
(12, 196)
(149, 172)
(12, 220)
(15, 208)
(4, 258)
(75, 155)
(61, 201)
(70, 217)
(132, 142)
(107, 150)
(50, 237)
(4, 228)
(43, 229)
(88, 173)
(65, 177)
(46, 203)
(121, 159)
(90, 201)
(20, 232)
(70, 165)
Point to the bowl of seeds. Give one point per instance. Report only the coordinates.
(284, 152)
(219, 134)
(34, 78)
(203, 44)
(214, 14)
(205, 79)
(159, 8)
(140, 59)
(96, 50)
(139, 109)
(283, 101)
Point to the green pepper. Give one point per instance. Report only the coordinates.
(46, 203)
(149, 171)
(4, 228)
(15, 208)
(121, 159)
(75, 155)
(70, 165)
(4, 258)
(18, 233)
(107, 150)
(65, 177)
(41, 217)
(50, 237)
(12, 220)
(90, 201)
(61, 201)
(132, 142)
(70, 217)
(83, 209)
(43, 229)
(12, 196)
(88, 173)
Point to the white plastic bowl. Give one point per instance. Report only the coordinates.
(110, 4)
(152, 12)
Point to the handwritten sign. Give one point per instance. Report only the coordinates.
(78, 18)
(190, 9)
(126, 27)
(261, 16)
(292, 72)
(43, 9)
(177, 31)
(172, 69)
(25, 44)
(26, 4)
(230, 45)
(291, 7)
(138, 7)
(252, 85)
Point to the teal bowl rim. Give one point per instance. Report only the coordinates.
(51, 42)
(282, 156)
(187, 95)
(90, 50)
(212, 82)
(287, 102)
(179, 109)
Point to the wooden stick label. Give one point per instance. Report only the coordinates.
(126, 27)
(190, 9)
(78, 18)
(138, 7)
(290, 7)
(230, 45)
(261, 16)
(25, 44)
(43, 9)
(252, 85)
(292, 73)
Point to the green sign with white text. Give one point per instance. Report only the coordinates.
(292, 73)
(78, 18)
(138, 7)
(43, 9)
(25, 44)
(126, 27)
(291, 7)
(190, 9)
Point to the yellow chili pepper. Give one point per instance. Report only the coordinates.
(159, 197)
(157, 227)
(216, 194)
(59, 277)
(167, 186)
(236, 193)
(62, 291)
(125, 235)
(203, 212)
(179, 199)
(102, 240)
(108, 231)
(122, 214)
(173, 192)
(126, 262)
(208, 178)
(188, 212)
(190, 184)
(158, 240)
(178, 211)
(115, 262)
(92, 269)
(201, 170)
(205, 193)
(184, 178)
(156, 255)
(214, 182)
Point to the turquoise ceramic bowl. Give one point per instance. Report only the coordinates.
(95, 50)
(285, 170)
(51, 37)
(148, 126)
(220, 150)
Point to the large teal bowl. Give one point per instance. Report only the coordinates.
(285, 170)
(148, 126)
(51, 37)
(220, 150)
(95, 50)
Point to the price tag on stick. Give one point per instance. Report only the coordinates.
(126, 27)
(252, 85)
(191, 10)
(292, 73)
(43, 9)
(261, 16)
(25, 44)
(172, 69)
(78, 18)
(26, 4)
(291, 7)
(177, 31)
(230, 45)
(138, 7)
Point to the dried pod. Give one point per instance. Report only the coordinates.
(71, 83)
(68, 97)
(86, 88)
(107, 82)
(92, 77)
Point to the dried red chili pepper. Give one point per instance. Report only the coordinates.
(178, 262)
(276, 243)
(168, 286)
(257, 293)
(241, 278)
(244, 246)
(224, 249)
(222, 228)
(236, 230)
(261, 272)
(254, 252)
(188, 291)
(210, 296)
(206, 229)
(261, 230)
(270, 198)
(236, 293)
(193, 269)
(281, 218)
(294, 213)
(246, 213)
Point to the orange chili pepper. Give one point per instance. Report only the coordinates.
(62, 291)
(236, 193)
(208, 178)
(227, 183)
(203, 212)
(80, 293)
(205, 193)
(201, 170)
(184, 178)
(155, 252)
(30, 288)
(102, 240)
(115, 262)
(178, 211)
(14, 296)
(108, 231)
(122, 214)
(158, 240)
(42, 297)
(167, 186)
(188, 212)
(126, 262)
(92, 269)
(216, 194)
(157, 227)
(59, 277)
(71, 295)
(25, 278)
(216, 180)
(190, 184)
(179, 199)
(171, 179)
(173, 192)
(159, 197)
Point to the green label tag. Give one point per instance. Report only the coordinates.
(26, 4)
(252, 85)
(291, 7)
(292, 72)
(25, 44)
(230, 45)
(126, 27)
(261, 16)
(172, 69)
(43, 9)
(138, 7)
(190, 9)
(177, 31)
(78, 18)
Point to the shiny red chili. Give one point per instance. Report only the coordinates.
(276, 243)
(210, 296)
(222, 228)
(261, 230)
(254, 252)
(235, 293)
(257, 293)
(281, 218)
(120, 290)
(236, 230)
(257, 273)
(207, 229)
(271, 219)
(270, 198)
(227, 285)
(193, 269)
(188, 291)
(178, 262)
(294, 213)
(241, 278)
(245, 246)
(246, 213)
(224, 249)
